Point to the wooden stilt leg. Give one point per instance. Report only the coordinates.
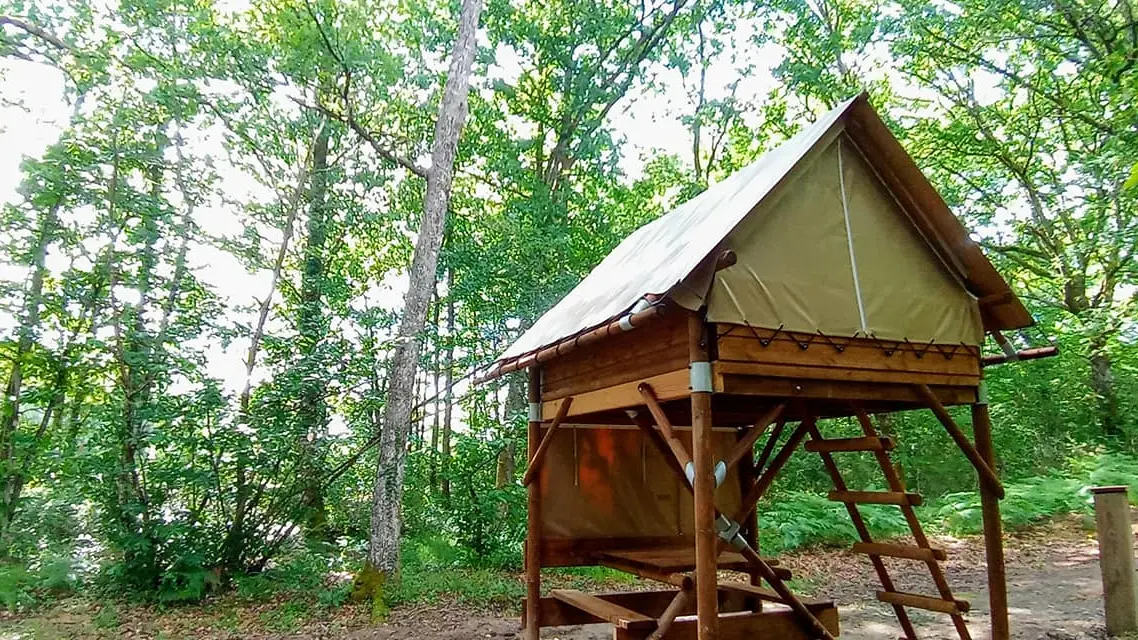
(993, 529)
(706, 542)
(533, 518)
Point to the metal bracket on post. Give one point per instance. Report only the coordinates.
(720, 473)
(701, 377)
(535, 412)
(728, 530)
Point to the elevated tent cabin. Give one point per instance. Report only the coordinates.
(826, 279)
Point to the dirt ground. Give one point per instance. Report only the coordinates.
(1053, 582)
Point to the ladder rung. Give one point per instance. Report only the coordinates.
(877, 497)
(603, 609)
(831, 445)
(953, 607)
(900, 551)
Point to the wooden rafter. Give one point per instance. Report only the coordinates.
(746, 444)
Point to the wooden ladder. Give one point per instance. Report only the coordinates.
(944, 602)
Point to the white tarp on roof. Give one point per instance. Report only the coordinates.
(663, 252)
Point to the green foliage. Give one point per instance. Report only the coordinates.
(801, 519)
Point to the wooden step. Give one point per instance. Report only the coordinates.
(830, 445)
(877, 497)
(608, 611)
(900, 551)
(953, 607)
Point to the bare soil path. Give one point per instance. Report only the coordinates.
(1053, 579)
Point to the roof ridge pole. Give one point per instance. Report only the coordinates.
(849, 241)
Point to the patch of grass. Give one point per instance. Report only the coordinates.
(475, 586)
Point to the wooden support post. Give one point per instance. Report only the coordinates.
(986, 474)
(1116, 559)
(533, 514)
(706, 542)
(993, 528)
(745, 447)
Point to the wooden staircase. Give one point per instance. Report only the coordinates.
(943, 602)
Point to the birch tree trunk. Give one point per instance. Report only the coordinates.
(386, 521)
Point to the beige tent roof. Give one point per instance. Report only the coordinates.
(836, 231)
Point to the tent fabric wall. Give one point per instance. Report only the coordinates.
(795, 271)
(599, 482)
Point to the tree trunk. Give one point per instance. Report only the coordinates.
(386, 523)
(448, 397)
(1102, 382)
(312, 413)
(13, 479)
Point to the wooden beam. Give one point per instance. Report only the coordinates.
(619, 616)
(908, 552)
(746, 445)
(767, 624)
(877, 497)
(986, 474)
(539, 456)
(674, 443)
(533, 518)
(703, 484)
(676, 607)
(927, 603)
(681, 580)
(831, 445)
(993, 528)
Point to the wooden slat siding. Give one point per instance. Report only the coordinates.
(668, 386)
(821, 372)
(850, 444)
(621, 617)
(555, 613)
(876, 497)
(900, 551)
(651, 350)
(780, 624)
(742, 384)
(954, 607)
(740, 345)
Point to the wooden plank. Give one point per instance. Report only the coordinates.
(745, 447)
(539, 455)
(671, 560)
(781, 624)
(619, 616)
(580, 552)
(798, 371)
(876, 497)
(900, 551)
(917, 601)
(904, 394)
(831, 445)
(668, 386)
(857, 353)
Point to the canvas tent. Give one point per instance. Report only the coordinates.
(828, 278)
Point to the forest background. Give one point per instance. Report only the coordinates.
(206, 266)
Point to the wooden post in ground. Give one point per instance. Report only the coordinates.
(706, 542)
(533, 514)
(1116, 559)
(993, 528)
